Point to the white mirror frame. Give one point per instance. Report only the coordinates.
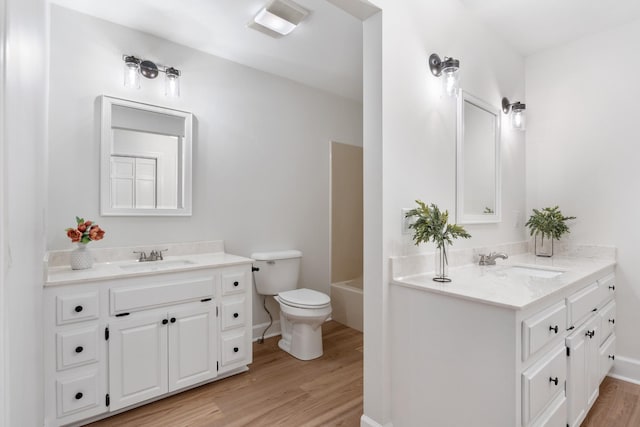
(106, 148)
(461, 217)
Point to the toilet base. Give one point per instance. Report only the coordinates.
(302, 342)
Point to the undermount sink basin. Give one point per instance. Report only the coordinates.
(534, 271)
(156, 265)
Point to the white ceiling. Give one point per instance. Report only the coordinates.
(325, 51)
(534, 25)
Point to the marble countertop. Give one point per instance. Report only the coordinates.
(64, 275)
(498, 285)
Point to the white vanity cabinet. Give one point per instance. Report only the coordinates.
(118, 342)
(465, 360)
(590, 337)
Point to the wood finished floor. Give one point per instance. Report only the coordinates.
(278, 390)
(617, 406)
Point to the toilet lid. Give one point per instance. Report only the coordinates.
(304, 298)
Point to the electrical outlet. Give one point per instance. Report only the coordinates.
(406, 222)
(518, 219)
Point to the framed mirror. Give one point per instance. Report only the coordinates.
(145, 159)
(478, 185)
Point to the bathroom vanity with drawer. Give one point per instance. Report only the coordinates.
(523, 344)
(118, 336)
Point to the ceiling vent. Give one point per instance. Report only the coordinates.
(278, 18)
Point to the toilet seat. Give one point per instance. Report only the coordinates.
(304, 298)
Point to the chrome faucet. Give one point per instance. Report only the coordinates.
(154, 255)
(491, 258)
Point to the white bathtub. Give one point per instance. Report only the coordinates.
(346, 301)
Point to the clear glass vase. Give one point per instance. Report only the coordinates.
(442, 264)
(80, 257)
(543, 246)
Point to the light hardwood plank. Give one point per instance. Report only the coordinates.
(617, 406)
(278, 390)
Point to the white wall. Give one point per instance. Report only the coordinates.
(583, 152)
(261, 152)
(23, 94)
(418, 151)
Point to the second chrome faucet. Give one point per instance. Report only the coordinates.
(491, 258)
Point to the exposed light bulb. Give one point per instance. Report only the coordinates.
(450, 81)
(131, 75)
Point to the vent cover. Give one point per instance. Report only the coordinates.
(278, 18)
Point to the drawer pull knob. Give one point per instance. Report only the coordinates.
(612, 287)
(612, 356)
(79, 349)
(165, 321)
(554, 328)
(590, 334)
(612, 321)
(236, 349)
(236, 283)
(553, 380)
(235, 315)
(173, 320)
(78, 308)
(79, 396)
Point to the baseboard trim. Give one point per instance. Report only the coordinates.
(272, 332)
(368, 422)
(626, 369)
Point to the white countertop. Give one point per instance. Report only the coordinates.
(112, 270)
(497, 285)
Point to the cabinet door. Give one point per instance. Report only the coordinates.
(593, 359)
(577, 376)
(137, 360)
(193, 351)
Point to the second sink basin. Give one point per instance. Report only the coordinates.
(535, 271)
(156, 265)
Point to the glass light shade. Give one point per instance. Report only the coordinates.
(274, 22)
(450, 81)
(131, 75)
(518, 119)
(172, 85)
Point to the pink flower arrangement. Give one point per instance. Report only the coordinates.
(85, 232)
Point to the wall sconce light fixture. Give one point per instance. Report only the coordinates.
(517, 113)
(135, 67)
(448, 70)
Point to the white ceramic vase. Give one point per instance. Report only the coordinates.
(81, 258)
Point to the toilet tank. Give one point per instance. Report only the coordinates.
(278, 271)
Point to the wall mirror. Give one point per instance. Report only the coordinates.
(145, 159)
(477, 161)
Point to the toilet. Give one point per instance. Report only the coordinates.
(302, 311)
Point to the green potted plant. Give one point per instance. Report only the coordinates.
(549, 224)
(431, 224)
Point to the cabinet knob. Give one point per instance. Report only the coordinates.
(236, 349)
(612, 356)
(78, 308)
(612, 321)
(612, 287)
(590, 334)
(79, 396)
(235, 315)
(173, 320)
(236, 283)
(554, 328)
(553, 380)
(79, 349)
(165, 321)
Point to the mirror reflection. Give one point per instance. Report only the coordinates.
(146, 159)
(478, 161)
